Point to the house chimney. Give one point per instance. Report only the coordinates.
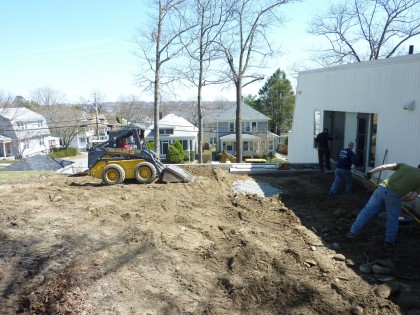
(410, 49)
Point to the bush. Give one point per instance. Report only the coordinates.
(64, 153)
(175, 155)
(150, 145)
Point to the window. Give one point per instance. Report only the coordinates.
(317, 125)
(254, 126)
(246, 146)
(231, 127)
(184, 145)
(246, 126)
(166, 131)
(82, 140)
(41, 141)
(1, 131)
(317, 122)
(40, 124)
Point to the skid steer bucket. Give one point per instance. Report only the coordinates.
(175, 174)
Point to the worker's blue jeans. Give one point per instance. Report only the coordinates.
(342, 175)
(382, 197)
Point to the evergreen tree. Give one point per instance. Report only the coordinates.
(175, 153)
(276, 100)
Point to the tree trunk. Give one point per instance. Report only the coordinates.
(238, 120)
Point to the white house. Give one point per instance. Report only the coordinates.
(376, 104)
(23, 132)
(256, 139)
(171, 129)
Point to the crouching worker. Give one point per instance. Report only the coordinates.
(402, 185)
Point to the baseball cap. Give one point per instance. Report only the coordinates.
(351, 144)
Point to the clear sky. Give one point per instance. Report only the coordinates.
(81, 46)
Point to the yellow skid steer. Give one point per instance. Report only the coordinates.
(126, 156)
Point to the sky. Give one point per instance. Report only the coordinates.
(80, 47)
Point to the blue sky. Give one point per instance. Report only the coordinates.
(81, 46)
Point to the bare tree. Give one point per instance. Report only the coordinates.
(64, 122)
(211, 16)
(128, 107)
(6, 99)
(159, 44)
(246, 45)
(47, 96)
(360, 30)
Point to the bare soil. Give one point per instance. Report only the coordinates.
(71, 245)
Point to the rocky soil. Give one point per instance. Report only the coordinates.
(70, 245)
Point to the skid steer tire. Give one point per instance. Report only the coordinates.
(113, 174)
(145, 172)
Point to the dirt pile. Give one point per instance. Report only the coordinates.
(70, 245)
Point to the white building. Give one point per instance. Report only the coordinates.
(23, 132)
(171, 129)
(376, 104)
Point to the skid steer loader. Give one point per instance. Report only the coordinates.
(126, 156)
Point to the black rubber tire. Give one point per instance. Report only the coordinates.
(113, 174)
(145, 172)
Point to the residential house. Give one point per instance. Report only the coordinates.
(171, 129)
(374, 104)
(92, 129)
(257, 141)
(23, 132)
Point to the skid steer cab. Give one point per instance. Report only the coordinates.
(125, 156)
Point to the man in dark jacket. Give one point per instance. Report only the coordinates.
(346, 158)
(322, 140)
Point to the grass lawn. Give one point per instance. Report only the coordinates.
(5, 176)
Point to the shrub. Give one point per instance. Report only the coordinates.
(175, 155)
(150, 145)
(64, 153)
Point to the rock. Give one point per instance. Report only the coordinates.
(310, 262)
(385, 263)
(385, 290)
(339, 257)
(381, 270)
(349, 262)
(366, 268)
(384, 278)
(357, 310)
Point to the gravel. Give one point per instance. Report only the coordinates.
(252, 187)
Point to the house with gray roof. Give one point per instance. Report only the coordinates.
(171, 129)
(22, 132)
(257, 140)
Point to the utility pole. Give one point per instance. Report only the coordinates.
(97, 121)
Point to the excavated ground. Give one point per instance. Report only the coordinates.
(70, 245)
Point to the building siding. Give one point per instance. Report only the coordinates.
(381, 86)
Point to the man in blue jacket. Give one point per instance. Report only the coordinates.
(346, 158)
